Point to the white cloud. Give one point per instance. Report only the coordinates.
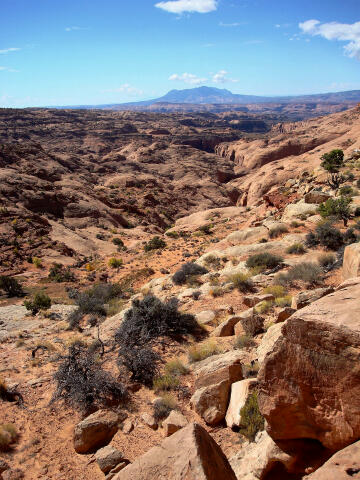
(221, 77)
(8, 50)
(8, 69)
(343, 32)
(188, 78)
(181, 6)
(235, 24)
(125, 88)
(74, 28)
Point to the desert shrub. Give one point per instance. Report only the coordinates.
(296, 248)
(205, 229)
(328, 236)
(332, 161)
(37, 262)
(276, 290)
(58, 273)
(82, 383)
(284, 301)
(264, 307)
(143, 325)
(8, 436)
(346, 190)
(118, 242)
(11, 286)
(357, 212)
(326, 259)
(243, 341)
(307, 272)
(115, 262)
(199, 352)
(163, 406)
(172, 234)
(264, 260)
(216, 291)
(277, 231)
(186, 270)
(165, 382)
(155, 243)
(311, 240)
(176, 367)
(296, 224)
(212, 261)
(242, 281)
(251, 369)
(350, 236)
(358, 182)
(41, 301)
(336, 207)
(251, 420)
(92, 300)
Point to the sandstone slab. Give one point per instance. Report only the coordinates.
(351, 263)
(95, 431)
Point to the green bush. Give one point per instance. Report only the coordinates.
(11, 286)
(155, 243)
(357, 212)
(346, 190)
(264, 307)
(328, 236)
(165, 382)
(332, 161)
(206, 229)
(41, 301)
(296, 248)
(307, 272)
(163, 406)
(37, 262)
(336, 207)
(118, 242)
(115, 262)
(251, 420)
(284, 301)
(199, 352)
(176, 367)
(264, 261)
(58, 273)
(276, 290)
(187, 270)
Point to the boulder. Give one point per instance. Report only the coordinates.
(351, 263)
(239, 394)
(284, 314)
(226, 328)
(149, 420)
(189, 454)
(255, 459)
(309, 382)
(245, 315)
(344, 465)
(308, 296)
(95, 431)
(128, 426)
(316, 196)
(251, 325)
(268, 341)
(248, 235)
(212, 383)
(252, 300)
(174, 422)
(296, 210)
(108, 457)
(205, 317)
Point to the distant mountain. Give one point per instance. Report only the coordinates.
(221, 96)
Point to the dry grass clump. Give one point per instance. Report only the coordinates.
(176, 367)
(276, 290)
(199, 352)
(296, 248)
(326, 259)
(243, 341)
(264, 307)
(241, 281)
(8, 436)
(277, 231)
(264, 261)
(251, 420)
(165, 382)
(163, 406)
(217, 291)
(283, 301)
(305, 272)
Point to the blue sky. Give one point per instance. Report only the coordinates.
(71, 52)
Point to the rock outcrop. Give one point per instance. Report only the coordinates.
(189, 454)
(310, 381)
(95, 431)
(351, 264)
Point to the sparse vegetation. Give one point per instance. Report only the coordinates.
(327, 235)
(82, 383)
(58, 273)
(200, 351)
(296, 248)
(242, 281)
(163, 406)
(8, 436)
(264, 307)
(143, 325)
(306, 272)
(187, 269)
(216, 291)
(337, 208)
(41, 301)
(115, 262)
(264, 261)
(176, 367)
(277, 231)
(251, 420)
(326, 259)
(243, 341)
(11, 286)
(284, 301)
(332, 162)
(276, 290)
(37, 262)
(118, 242)
(165, 382)
(155, 243)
